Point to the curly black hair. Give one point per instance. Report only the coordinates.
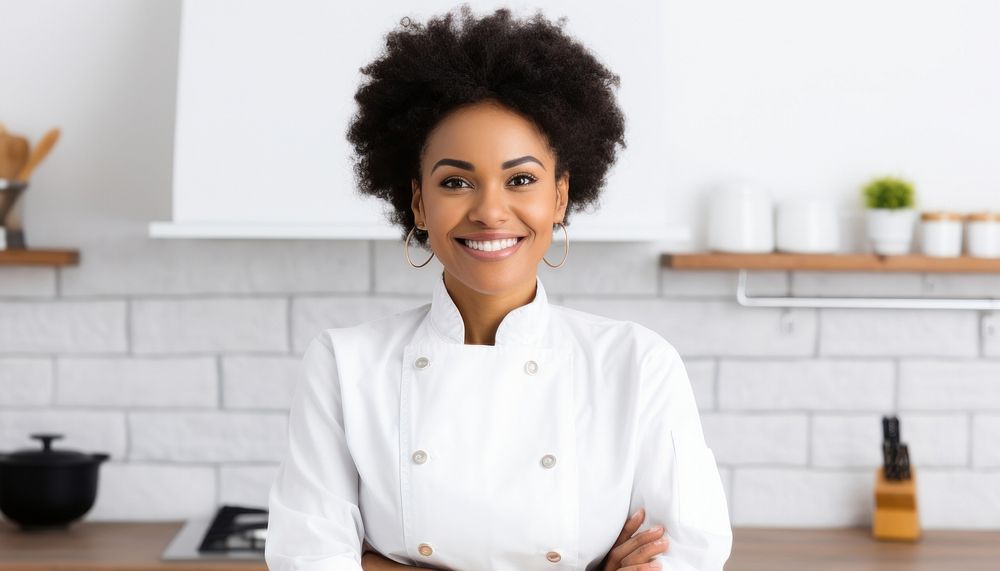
(529, 66)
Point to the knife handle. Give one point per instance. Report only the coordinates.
(904, 462)
(890, 429)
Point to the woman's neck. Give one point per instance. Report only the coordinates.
(482, 313)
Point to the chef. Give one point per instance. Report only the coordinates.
(490, 429)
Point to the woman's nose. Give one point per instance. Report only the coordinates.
(490, 205)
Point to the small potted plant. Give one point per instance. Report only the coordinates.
(890, 214)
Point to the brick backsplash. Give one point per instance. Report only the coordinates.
(178, 358)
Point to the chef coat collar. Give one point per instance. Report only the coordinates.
(524, 325)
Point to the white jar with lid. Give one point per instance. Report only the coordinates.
(807, 226)
(741, 219)
(941, 234)
(984, 234)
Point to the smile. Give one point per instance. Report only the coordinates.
(492, 250)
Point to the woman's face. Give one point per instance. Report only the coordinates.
(489, 170)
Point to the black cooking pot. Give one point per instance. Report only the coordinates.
(48, 488)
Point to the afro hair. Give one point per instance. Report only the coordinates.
(529, 66)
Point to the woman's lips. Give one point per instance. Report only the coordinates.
(490, 256)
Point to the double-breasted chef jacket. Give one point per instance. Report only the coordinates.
(529, 454)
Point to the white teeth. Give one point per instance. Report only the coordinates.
(491, 245)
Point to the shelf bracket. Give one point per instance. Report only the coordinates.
(860, 302)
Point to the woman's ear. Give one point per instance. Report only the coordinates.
(416, 204)
(562, 196)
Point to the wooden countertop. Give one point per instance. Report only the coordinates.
(854, 549)
(90, 546)
(137, 547)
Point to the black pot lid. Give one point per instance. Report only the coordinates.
(49, 457)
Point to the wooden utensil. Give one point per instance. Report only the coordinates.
(40, 151)
(13, 154)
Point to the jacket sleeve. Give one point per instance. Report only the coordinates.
(677, 480)
(313, 517)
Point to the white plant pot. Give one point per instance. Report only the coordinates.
(890, 230)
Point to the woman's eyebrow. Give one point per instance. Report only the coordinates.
(470, 167)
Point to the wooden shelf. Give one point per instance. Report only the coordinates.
(829, 262)
(31, 257)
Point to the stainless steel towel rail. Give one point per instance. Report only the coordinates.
(860, 302)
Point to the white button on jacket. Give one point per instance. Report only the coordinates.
(527, 454)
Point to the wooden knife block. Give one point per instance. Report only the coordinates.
(896, 516)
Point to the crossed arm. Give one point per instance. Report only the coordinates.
(631, 552)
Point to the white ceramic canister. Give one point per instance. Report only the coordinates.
(983, 234)
(807, 226)
(741, 219)
(941, 234)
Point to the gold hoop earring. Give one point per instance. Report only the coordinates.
(565, 248)
(406, 249)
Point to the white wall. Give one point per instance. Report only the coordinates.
(261, 117)
(177, 356)
(815, 98)
(104, 72)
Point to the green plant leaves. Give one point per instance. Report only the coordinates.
(888, 192)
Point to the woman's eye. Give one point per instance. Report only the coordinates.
(530, 179)
(445, 182)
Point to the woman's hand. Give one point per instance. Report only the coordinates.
(634, 553)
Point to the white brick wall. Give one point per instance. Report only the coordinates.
(702, 375)
(701, 328)
(720, 283)
(936, 439)
(990, 328)
(757, 439)
(957, 285)
(806, 384)
(154, 492)
(949, 385)
(137, 382)
(902, 332)
(28, 281)
(229, 267)
(259, 382)
(26, 382)
(856, 284)
(66, 327)
(210, 325)
(847, 441)
(986, 440)
(183, 436)
(798, 497)
(179, 358)
(246, 485)
(959, 499)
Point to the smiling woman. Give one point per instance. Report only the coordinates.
(472, 136)
(490, 429)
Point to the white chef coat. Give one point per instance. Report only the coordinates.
(527, 454)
